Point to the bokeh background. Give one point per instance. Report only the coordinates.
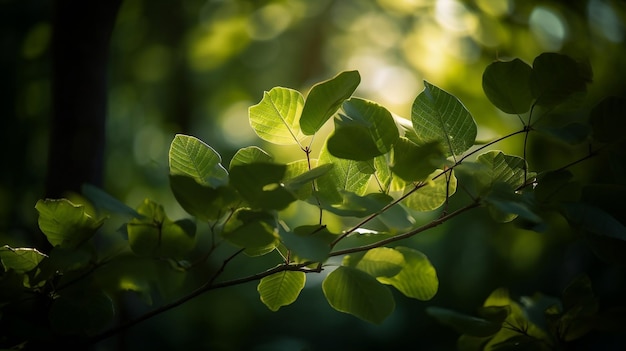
(195, 66)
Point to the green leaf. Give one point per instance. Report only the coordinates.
(607, 119)
(594, 220)
(507, 85)
(506, 202)
(64, 223)
(325, 98)
(440, 117)
(105, 202)
(156, 235)
(464, 324)
(260, 184)
(499, 168)
(381, 262)
(276, 118)
(433, 194)
(281, 289)
(417, 279)
(256, 231)
(353, 291)
(363, 131)
(571, 134)
(344, 175)
(295, 169)
(189, 156)
(304, 179)
(354, 205)
(200, 201)
(309, 242)
(20, 259)
(415, 163)
(250, 154)
(557, 77)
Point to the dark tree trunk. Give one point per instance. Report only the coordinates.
(80, 47)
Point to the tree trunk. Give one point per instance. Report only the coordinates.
(80, 48)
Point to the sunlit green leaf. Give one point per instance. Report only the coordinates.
(325, 98)
(363, 130)
(507, 85)
(64, 223)
(417, 279)
(440, 117)
(20, 259)
(276, 118)
(433, 194)
(344, 175)
(253, 230)
(556, 77)
(607, 119)
(415, 163)
(464, 324)
(260, 184)
(200, 201)
(353, 291)
(250, 154)
(189, 156)
(281, 289)
(381, 262)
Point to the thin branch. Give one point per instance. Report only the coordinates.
(408, 234)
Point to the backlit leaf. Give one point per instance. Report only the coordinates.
(281, 289)
(353, 291)
(343, 176)
(64, 223)
(20, 260)
(189, 156)
(325, 98)
(250, 154)
(440, 117)
(381, 262)
(417, 279)
(276, 118)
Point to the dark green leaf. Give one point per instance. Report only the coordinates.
(355, 292)
(607, 119)
(304, 179)
(200, 201)
(440, 117)
(507, 85)
(594, 220)
(260, 184)
(572, 134)
(255, 231)
(105, 202)
(363, 131)
(464, 324)
(343, 176)
(415, 163)
(310, 242)
(557, 77)
(325, 98)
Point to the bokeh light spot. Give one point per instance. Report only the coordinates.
(549, 28)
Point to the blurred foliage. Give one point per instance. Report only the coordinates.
(196, 66)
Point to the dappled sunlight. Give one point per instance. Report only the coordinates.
(549, 28)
